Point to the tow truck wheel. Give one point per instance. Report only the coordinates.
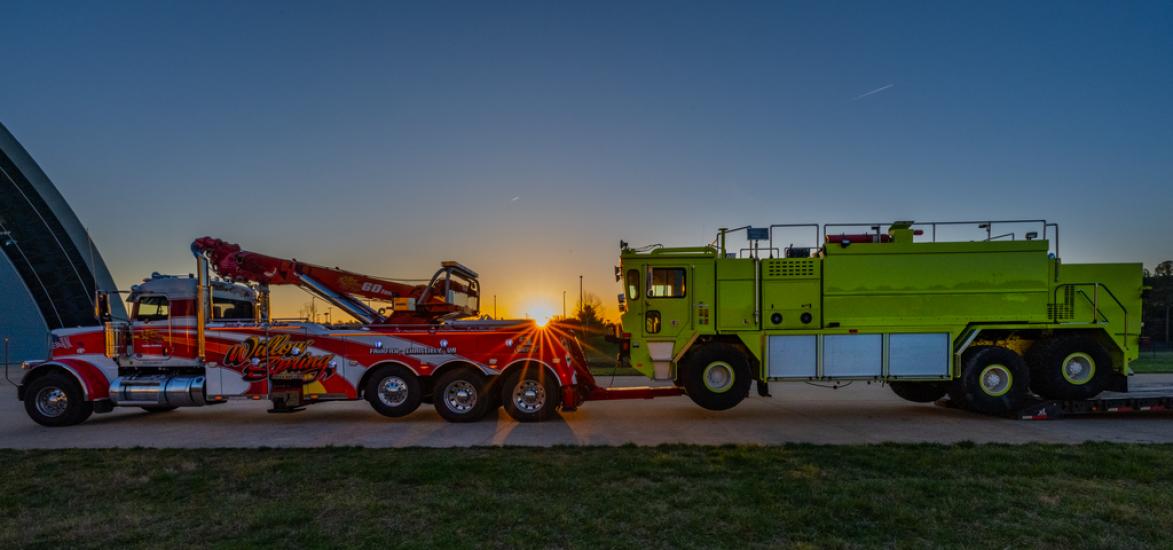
(1069, 368)
(716, 376)
(530, 394)
(920, 392)
(459, 396)
(393, 391)
(993, 380)
(56, 400)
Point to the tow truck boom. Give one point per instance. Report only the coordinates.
(452, 292)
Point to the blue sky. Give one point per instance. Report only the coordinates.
(526, 139)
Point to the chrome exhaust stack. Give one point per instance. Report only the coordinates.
(203, 303)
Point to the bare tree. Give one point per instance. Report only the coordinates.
(592, 313)
(309, 311)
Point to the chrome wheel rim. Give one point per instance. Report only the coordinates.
(52, 401)
(1078, 368)
(996, 380)
(718, 376)
(529, 396)
(393, 391)
(460, 396)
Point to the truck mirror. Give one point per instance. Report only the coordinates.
(102, 307)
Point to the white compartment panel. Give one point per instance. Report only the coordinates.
(920, 355)
(853, 355)
(793, 356)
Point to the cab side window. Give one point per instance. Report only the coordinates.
(152, 308)
(232, 309)
(666, 282)
(632, 285)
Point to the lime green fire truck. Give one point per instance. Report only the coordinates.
(991, 322)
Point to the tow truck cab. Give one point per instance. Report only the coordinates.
(164, 320)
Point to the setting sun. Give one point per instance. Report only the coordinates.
(539, 310)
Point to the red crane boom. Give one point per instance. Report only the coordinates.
(452, 292)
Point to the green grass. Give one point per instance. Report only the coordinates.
(1094, 495)
(1154, 362)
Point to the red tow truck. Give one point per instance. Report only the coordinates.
(194, 341)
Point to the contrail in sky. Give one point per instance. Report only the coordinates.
(876, 91)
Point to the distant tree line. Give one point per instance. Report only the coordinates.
(1158, 303)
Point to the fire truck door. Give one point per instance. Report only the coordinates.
(668, 305)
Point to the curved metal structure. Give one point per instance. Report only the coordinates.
(48, 249)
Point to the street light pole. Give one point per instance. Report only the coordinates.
(580, 302)
(563, 304)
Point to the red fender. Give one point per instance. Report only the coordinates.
(93, 381)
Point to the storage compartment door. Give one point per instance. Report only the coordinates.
(793, 356)
(853, 355)
(918, 355)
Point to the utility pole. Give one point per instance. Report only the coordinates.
(564, 305)
(494, 307)
(580, 302)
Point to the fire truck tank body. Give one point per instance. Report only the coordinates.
(158, 391)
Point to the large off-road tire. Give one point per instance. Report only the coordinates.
(920, 392)
(393, 391)
(530, 394)
(56, 400)
(716, 376)
(1069, 367)
(459, 395)
(993, 380)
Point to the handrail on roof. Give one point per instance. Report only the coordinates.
(706, 250)
(824, 229)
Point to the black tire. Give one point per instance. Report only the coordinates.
(716, 376)
(1006, 386)
(530, 394)
(56, 400)
(920, 392)
(459, 395)
(1069, 368)
(393, 391)
(159, 409)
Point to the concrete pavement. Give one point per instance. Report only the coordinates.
(859, 413)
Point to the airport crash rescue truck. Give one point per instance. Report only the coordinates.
(194, 341)
(986, 322)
